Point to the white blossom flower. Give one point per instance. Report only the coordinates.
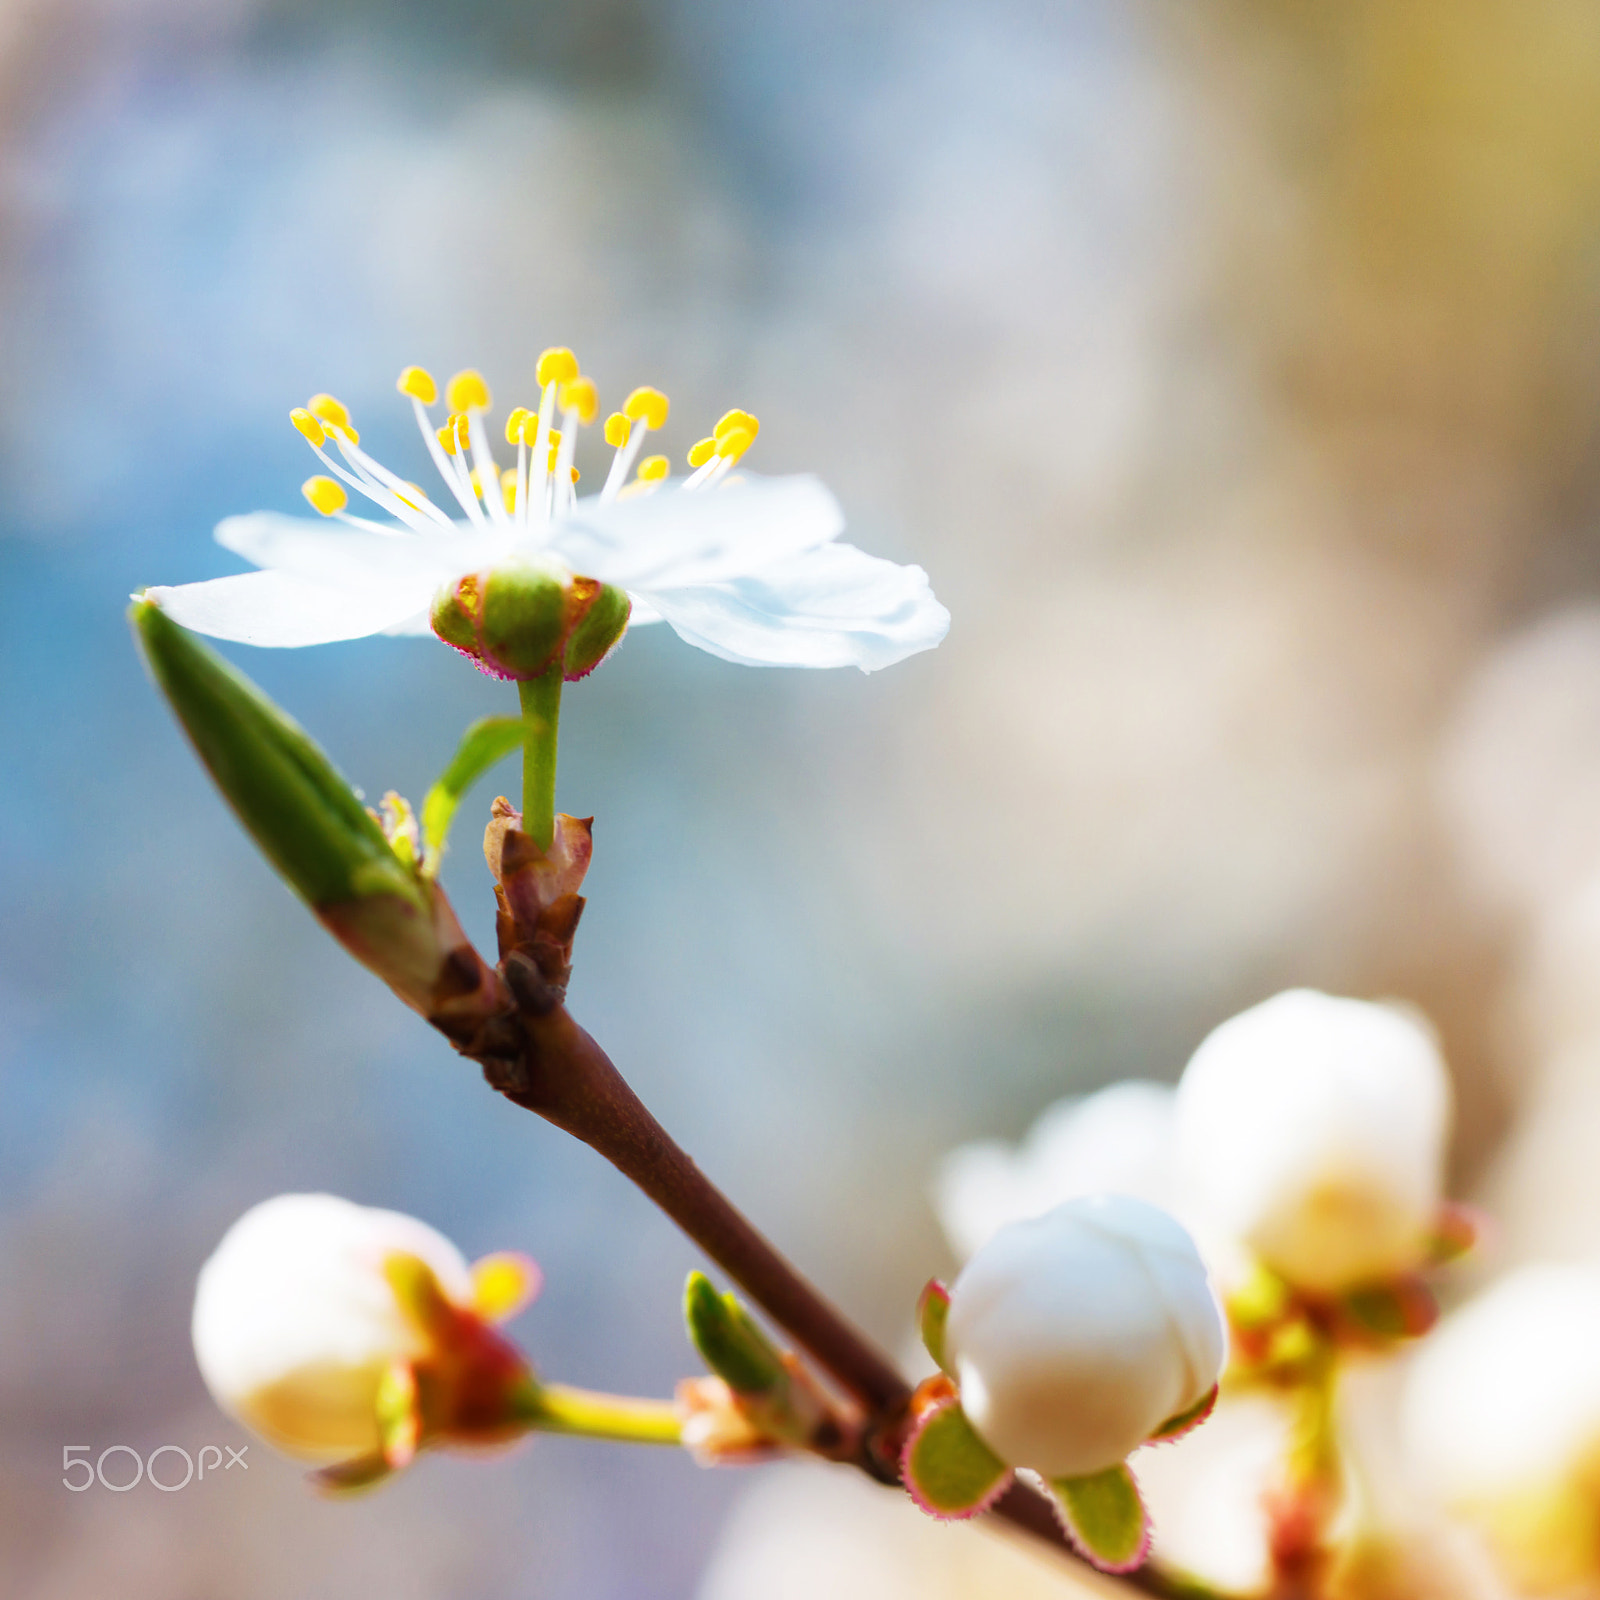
(750, 569)
(1311, 1131)
(1501, 1420)
(1119, 1140)
(299, 1320)
(1076, 1335)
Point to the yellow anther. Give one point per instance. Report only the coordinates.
(581, 396)
(519, 415)
(617, 430)
(418, 383)
(574, 474)
(550, 459)
(654, 468)
(729, 420)
(461, 428)
(447, 438)
(467, 389)
(648, 406)
(555, 437)
(734, 443)
(701, 451)
(556, 365)
(326, 409)
(309, 426)
(415, 496)
(342, 431)
(508, 492)
(473, 479)
(325, 494)
(508, 478)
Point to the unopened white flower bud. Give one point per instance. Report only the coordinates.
(1501, 1420)
(1311, 1130)
(1075, 1335)
(297, 1320)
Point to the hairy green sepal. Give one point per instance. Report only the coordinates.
(1104, 1516)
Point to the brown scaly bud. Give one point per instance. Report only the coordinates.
(539, 902)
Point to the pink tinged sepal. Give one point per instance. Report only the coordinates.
(1187, 1421)
(947, 1469)
(933, 1312)
(1457, 1229)
(1380, 1313)
(1105, 1518)
(399, 1408)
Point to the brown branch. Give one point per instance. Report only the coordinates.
(542, 1060)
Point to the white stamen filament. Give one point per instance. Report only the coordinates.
(702, 472)
(622, 462)
(379, 474)
(464, 495)
(565, 494)
(373, 491)
(541, 451)
(488, 470)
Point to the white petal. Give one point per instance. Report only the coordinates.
(336, 555)
(273, 608)
(673, 539)
(834, 606)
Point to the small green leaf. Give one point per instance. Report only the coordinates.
(948, 1470)
(729, 1341)
(1104, 1516)
(933, 1311)
(487, 741)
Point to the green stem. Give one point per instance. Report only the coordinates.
(559, 1408)
(541, 711)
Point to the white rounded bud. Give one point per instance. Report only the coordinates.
(1311, 1130)
(1074, 1336)
(1501, 1419)
(296, 1324)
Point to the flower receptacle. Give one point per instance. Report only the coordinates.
(520, 620)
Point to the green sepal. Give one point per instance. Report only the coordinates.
(599, 633)
(729, 1341)
(933, 1312)
(523, 620)
(1104, 1516)
(308, 821)
(1402, 1309)
(948, 1470)
(398, 1405)
(1185, 1421)
(487, 741)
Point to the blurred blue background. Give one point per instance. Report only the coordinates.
(1232, 370)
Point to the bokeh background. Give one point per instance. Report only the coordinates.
(1234, 369)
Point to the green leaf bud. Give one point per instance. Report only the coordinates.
(729, 1341)
(308, 821)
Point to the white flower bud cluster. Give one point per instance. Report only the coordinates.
(296, 1324)
(1074, 1336)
